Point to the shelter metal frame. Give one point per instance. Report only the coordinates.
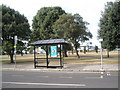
(53, 42)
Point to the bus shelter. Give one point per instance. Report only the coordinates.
(54, 51)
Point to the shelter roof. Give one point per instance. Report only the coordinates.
(49, 42)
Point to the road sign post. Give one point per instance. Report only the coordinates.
(15, 42)
(101, 54)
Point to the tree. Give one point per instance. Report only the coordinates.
(71, 28)
(13, 23)
(110, 26)
(85, 50)
(43, 21)
(21, 47)
(96, 49)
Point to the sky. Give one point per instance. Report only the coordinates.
(90, 10)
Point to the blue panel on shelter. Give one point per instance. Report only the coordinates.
(53, 51)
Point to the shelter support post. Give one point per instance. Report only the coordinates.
(47, 55)
(60, 57)
(34, 58)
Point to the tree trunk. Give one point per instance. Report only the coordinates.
(21, 53)
(11, 58)
(12, 52)
(65, 51)
(72, 51)
(108, 53)
(65, 54)
(77, 52)
(85, 50)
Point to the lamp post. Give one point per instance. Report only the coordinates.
(100, 40)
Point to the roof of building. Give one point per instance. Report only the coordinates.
(49, 42)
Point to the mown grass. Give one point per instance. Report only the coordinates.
(88, 58)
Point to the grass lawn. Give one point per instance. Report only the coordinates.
(88, 58)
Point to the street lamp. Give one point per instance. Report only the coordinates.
(100, 40)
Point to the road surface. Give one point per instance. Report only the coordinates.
(37, 79)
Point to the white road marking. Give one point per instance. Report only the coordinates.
(50, 84)
(93, 77)
(43, 76)
(17, 75)
(65, 77)
(76, 72)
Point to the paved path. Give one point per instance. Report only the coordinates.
(94, 67)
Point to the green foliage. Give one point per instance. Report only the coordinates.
(7, 46)
(20, 47)
(69, 47)
(13, 23)
(110, 26)
(30, 49)
(71, 28)
(0, 20)
(43, 21)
